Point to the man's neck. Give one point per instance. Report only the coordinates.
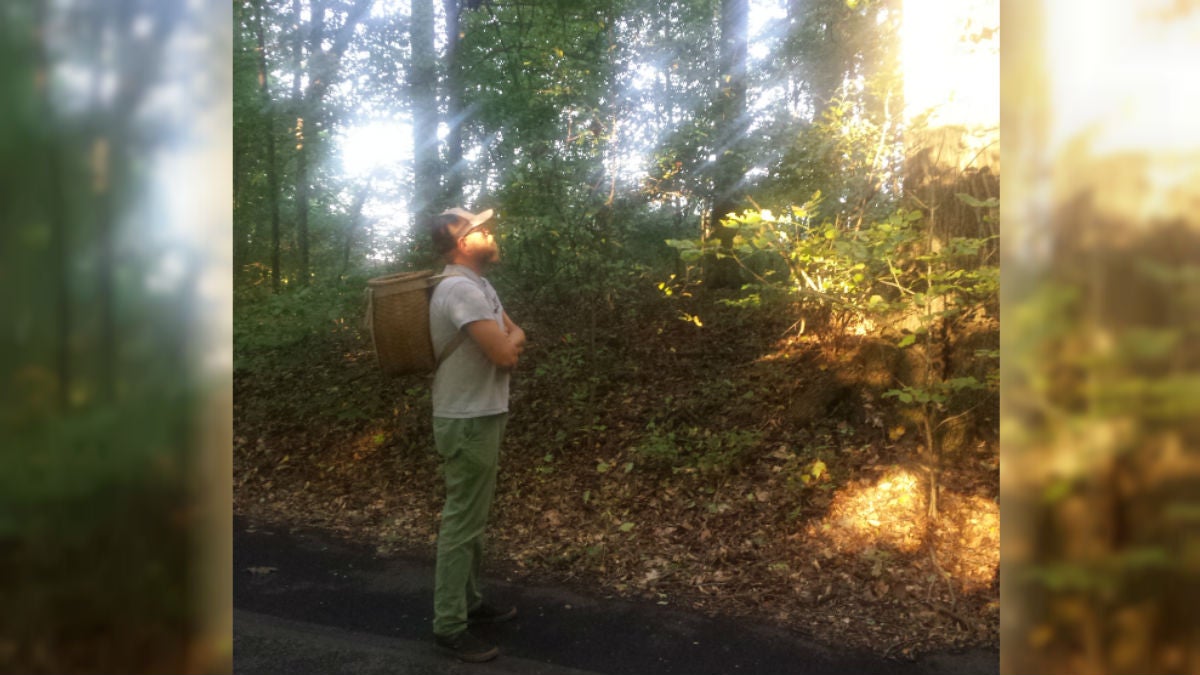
(472, 265)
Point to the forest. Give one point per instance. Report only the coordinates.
(760, 285)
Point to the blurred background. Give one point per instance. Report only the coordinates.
(1100, 482)
(114, 352)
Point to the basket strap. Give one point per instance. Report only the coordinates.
(459, 337)
(453, 345)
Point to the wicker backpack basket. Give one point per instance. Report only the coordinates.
(398, 320)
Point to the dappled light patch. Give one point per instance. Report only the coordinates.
(366, 444)
(861, 326)
(889, 511)
(967, 540)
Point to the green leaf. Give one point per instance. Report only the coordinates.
(963, 383)
(1057, 491)
(989, 203)
(907, 340)
(818, 469)
(625, 527)
(1182, 513)
(603, 467)
(1143, 558)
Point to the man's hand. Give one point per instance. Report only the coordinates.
(515, 333)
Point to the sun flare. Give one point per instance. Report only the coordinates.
(375, 145)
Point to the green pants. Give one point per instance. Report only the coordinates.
(470, 450)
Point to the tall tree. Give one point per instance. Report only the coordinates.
(131, 57)
(271, 168)
(837, 128)
(422, 88)
(104, 138)
(731, 121)
(306, 112)
(58, 218)
(355, 220)
(821, 44)
(323, 67)
(538, 82)
(680, 41)
(455, 115)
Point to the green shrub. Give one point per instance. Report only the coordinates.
(288, 318)
(696, 449)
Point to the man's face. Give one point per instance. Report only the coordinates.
(480, 246)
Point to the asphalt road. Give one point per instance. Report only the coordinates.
(306, 602)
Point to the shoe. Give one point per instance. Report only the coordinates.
(467, 647)
(486, 613)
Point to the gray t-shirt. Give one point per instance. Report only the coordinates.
(467, 384)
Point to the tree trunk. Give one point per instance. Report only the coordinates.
(106, 269)
(101, 165)
(423, 93)
(58, 223)
(62, 276)
(272, 173)
(134, 58)
(301, 178)
(455, 115)
(302, 201)
(307, 114)
(355, 218)
(322, 70)
(730, 111)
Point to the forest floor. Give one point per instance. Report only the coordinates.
(728, 465)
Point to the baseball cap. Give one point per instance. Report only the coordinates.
(464, 222)
(475, 219)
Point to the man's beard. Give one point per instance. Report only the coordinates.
(487, 257)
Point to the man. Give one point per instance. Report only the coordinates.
(470, 410)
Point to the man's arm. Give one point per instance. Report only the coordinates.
(501, 349)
